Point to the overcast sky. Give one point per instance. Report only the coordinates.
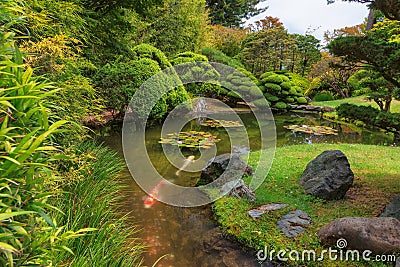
(299, 15)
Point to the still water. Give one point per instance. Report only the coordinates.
(190, 236)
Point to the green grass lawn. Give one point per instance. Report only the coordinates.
(359, 100)
(377, 176)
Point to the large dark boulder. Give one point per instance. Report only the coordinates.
(393, 209)
(328, 176)
(232, 166)
(379, 235)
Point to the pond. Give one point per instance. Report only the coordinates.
(183, 236)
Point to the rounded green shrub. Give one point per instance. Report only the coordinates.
(277, 79)
(150, 52)
(267, 74)
(272, 87)
(285, 93)
(301, 100)
(218, 56)
(187, 57)
(117, 82)
(286, 85)
(292, 91)
(299, 90)
(280, 105)
(290, 99)
(299, 80)
(233, 94)
(323, 96)
(285, 78)
(260, 102)
(272, 98)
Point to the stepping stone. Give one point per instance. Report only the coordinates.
(256, 213)
(294, 223)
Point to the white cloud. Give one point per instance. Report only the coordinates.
(300, 15)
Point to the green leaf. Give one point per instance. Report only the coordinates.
(7, 215)
(7, 247)
(43, 215)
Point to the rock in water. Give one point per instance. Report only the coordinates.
(294, 223)
(379, 235)
(393, 209)
(231, 165)
(328, 176)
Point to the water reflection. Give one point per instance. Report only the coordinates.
(189, 236)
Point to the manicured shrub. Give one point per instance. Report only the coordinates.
(289, 99)
(150, 52)
(261, 103)
(293, 91)
(119, 81)
(371, 116)
(366, 114)
(219, 57)
(319, 97)
(284, 93)
(187, 57)
(301, 100)
(299, 80)
(286, 85)
(266, 74)
(272, 87)
(277, 79)
(234, 95)
(272, 98)
(284, 90)
(280, 105)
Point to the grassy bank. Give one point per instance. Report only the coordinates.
(359, 100)
(376, 171)
(92, 200)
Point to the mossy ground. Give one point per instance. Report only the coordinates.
(377, 175)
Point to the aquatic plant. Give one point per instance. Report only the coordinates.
(191, 139)
(221, 123)
(315, 130)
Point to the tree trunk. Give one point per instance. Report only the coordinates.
(371, 19)
(379, 103)
(388, 102)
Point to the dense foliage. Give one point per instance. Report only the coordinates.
(273, 49)
(64, 61)
(232, 12)
(371, 117)
(280, 90)
(381, 53)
